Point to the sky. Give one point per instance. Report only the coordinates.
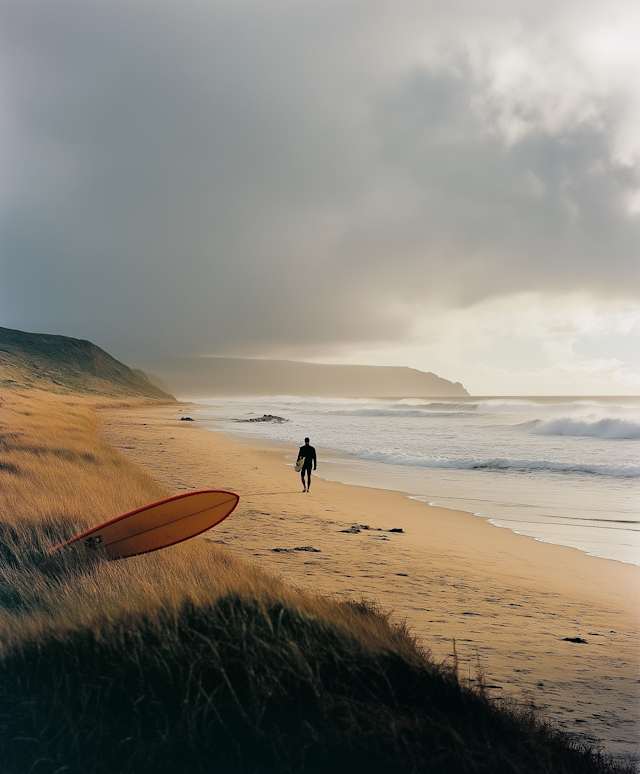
(451, 186)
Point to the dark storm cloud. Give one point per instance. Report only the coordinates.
(243, 178)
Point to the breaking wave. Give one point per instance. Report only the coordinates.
(608, 428)
(396, 412)
(451, 406)
(503, 463)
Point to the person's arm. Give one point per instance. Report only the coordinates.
(315, 460)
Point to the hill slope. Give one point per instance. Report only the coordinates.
(62, 364)
(217, 376)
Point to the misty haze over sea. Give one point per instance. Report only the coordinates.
(561, 470)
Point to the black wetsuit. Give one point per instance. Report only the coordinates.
(309, 454)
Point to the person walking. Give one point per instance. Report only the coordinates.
(308, 454)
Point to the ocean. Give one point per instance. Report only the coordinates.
(560, 470)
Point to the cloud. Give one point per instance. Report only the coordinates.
(319, 177)
(573, 68)
(524, 344)
(578, 374)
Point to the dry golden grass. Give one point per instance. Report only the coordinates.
(55, 470)
(67, 366)
(57, 477)
(191, 659)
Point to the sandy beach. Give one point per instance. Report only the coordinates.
(508, 601)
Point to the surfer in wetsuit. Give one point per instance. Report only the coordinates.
(308, 453)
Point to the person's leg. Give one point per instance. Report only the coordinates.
(308, 479)
(304, 488)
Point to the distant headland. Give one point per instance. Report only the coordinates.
(200, 377)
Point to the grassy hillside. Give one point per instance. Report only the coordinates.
(190, 660)
(61, 364)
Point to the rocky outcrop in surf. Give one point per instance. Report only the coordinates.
(264, 418)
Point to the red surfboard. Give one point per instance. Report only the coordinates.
(157, 525)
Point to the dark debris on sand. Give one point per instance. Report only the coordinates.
(310, 549)
(264, 418)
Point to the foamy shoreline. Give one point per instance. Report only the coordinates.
(510, 599)
(575, 492)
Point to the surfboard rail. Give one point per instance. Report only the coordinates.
(157, 525)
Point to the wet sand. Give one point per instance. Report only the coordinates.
(508, 601)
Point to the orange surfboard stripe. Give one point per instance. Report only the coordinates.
(159, 524)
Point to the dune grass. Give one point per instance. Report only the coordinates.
(63, 365)
(55, 470)
(191, 660)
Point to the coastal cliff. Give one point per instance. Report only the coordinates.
(198, 377)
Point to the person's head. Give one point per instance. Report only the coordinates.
(306, 440)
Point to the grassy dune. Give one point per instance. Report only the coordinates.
(190, 660)
(63, 365)
(55, 470)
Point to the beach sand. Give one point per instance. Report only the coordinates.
(508, 601)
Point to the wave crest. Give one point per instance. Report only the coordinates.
(504, 463)
(396, 412)
(608, 428)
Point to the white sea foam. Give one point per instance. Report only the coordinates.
(582, 408)
(608, 428)
(396, 412)
(530, 464)
(447, 406)
(502, 463)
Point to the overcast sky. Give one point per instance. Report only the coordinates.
(449, 185)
